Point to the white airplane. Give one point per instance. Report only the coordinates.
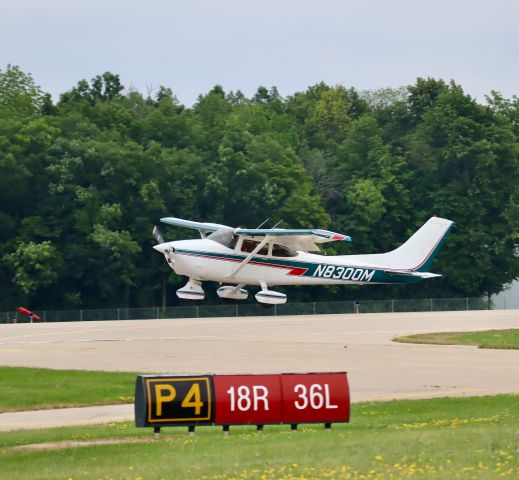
(277, 256)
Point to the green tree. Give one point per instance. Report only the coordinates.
(82, 182)
(121, 252)
(466, 164)
(19, 95)
(35, 265)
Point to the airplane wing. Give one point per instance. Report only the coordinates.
(201, 226)
(297, 239)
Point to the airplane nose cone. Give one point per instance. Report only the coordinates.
(164, 248)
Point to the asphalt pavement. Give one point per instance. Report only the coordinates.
(378, 368)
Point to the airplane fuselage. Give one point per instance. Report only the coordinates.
(207, 260)
(236, 257)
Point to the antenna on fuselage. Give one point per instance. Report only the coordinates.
(277, 224)
(262, 223)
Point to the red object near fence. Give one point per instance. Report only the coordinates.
(30, 314)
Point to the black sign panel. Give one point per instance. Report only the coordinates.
(174, 400)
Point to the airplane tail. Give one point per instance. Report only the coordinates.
(420, 250)
(417, 254)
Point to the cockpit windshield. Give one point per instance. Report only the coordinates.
(282, 251)
(225, 237)
(248, 246)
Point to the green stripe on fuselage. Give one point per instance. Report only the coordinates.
(315, 270)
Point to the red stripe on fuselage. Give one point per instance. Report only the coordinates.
(294, 271)
(297, 271)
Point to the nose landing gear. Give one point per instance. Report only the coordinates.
(192, 290)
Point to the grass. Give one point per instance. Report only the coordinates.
(446, 438)
(508, 339)
(40, 388)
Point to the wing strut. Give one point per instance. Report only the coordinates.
(248, 258)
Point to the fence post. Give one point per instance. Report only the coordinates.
(117, 314)
(236, 310)
(431, 304)
(313, 307)
(392, 306)
(81, 315)
(197, 311)
(467, 302)
(44, 315)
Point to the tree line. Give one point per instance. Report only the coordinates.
(83, 180)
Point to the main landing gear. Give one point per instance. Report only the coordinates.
(193, 290)
(270, 297)
(228, 292)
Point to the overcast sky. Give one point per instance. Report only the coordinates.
(192, 45)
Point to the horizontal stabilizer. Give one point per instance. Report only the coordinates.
(407, 273)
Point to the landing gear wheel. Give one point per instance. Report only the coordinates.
(266, 305)
(230, 301)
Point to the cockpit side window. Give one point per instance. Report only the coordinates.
(282, 251)
(225, 237)
(248, 246)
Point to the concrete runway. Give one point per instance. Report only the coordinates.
(378, 368)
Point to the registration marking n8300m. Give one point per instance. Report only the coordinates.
(339, 272)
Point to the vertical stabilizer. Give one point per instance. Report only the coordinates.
(417, 253)
(420, 250)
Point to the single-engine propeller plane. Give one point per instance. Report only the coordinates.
(236, 257)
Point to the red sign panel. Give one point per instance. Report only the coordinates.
(286, 398)
(315, 397)
(251, 399)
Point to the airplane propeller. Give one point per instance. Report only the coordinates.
(162, 246)
(158, 235)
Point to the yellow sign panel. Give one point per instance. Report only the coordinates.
(178, 399)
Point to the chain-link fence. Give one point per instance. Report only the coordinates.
(247, 310)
